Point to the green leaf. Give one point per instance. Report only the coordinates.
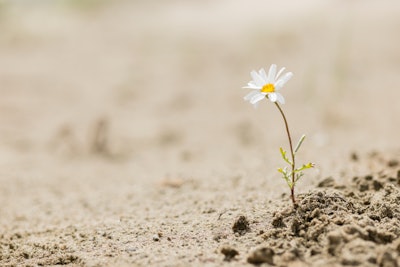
(304, 167)
(283, 171)
(299, 143)
(286, 176)
(288, 181)
(285, 158)
(298, 176)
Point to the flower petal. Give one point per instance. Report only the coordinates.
(257, 98)
(273, 97)
(279, 73)
(281, 82)
(250, 95)
(251, 85)
(263, 74)
(258, 80)
(271, 74)
(252, 88)
(280, 98)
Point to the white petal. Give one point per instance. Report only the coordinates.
(251, 83)
(286, 77)
(252, 86)
(250, 95)
(271, 74)
(279, 73)
(273, 97)
(257, 78)
(281, 82)
(280, 98)
(257, 98)
(263, 74)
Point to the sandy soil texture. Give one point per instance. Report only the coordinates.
(125, 140)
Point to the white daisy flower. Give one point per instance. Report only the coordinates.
(264, 85)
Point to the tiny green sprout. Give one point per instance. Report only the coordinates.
(264, 86)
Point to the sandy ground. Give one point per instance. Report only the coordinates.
(125, 140)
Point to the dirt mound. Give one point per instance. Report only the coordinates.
(357, 224)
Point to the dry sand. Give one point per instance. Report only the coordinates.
(125, 141)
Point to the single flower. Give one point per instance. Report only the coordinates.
(264, 85)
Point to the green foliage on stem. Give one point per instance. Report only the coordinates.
(284, 156)
(292, 175)
(286, 176)
(299, 143)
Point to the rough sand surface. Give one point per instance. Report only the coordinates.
(125, 140)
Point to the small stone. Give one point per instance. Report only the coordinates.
(277, 222)
(229, 253)
(261, 255)
(377, 185)
(368, 177)
(156, 237)
(241, 225)
(26, 255)
(327, 182)
(363, 187)
(393, 163)
(354, 156)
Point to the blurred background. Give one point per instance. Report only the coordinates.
(108, 98)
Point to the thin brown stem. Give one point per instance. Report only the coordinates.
(293, 165)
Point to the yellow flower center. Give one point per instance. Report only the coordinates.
(268, 88)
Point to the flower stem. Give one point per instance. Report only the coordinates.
(293, 165)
